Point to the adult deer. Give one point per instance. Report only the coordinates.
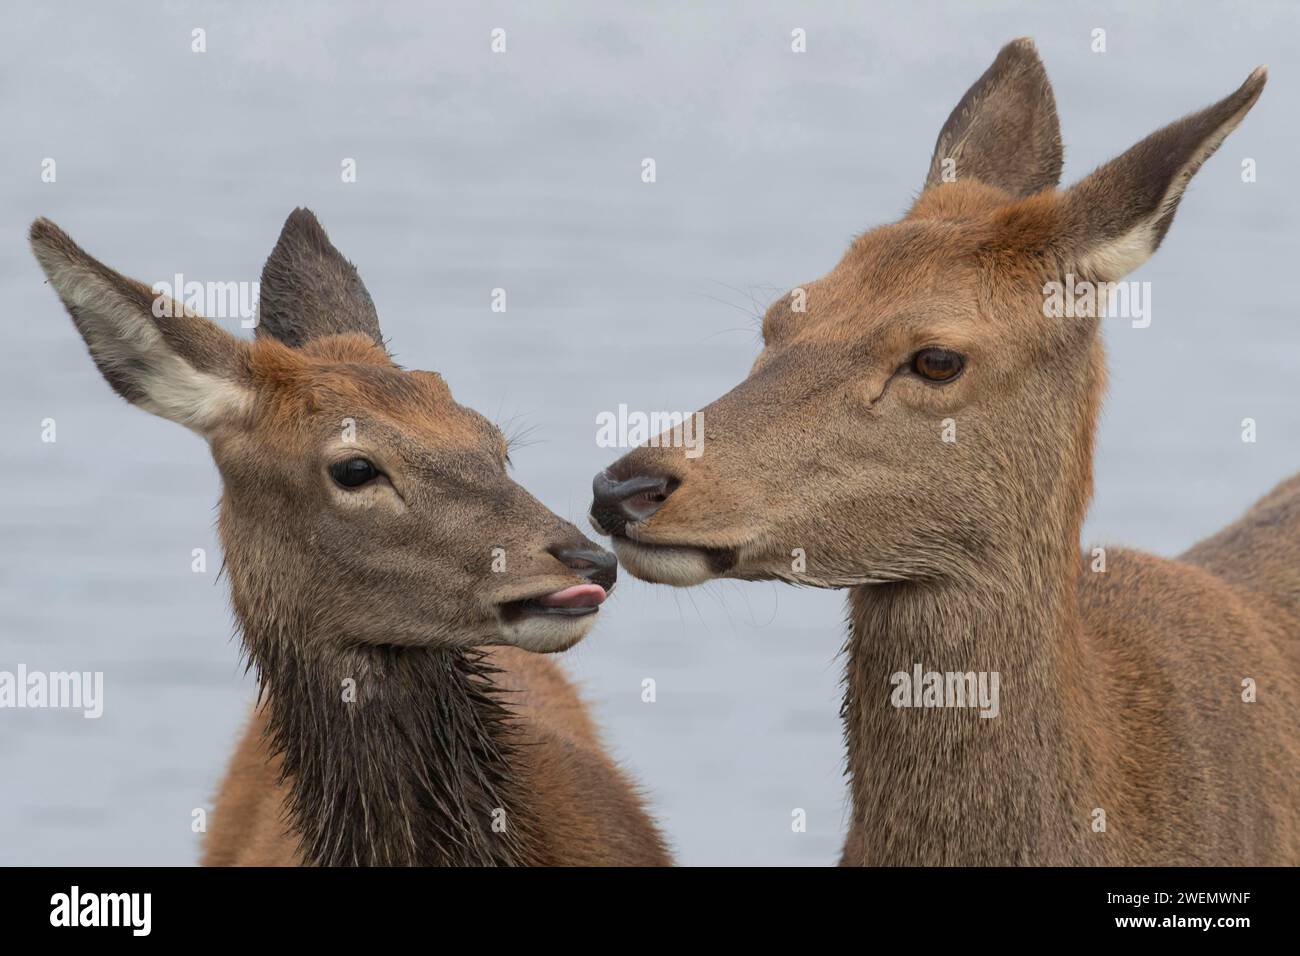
(1123, 736)
(378, 553)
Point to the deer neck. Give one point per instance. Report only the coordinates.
(393, 756)
(941, 784)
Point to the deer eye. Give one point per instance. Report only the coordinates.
(354, 472)
(938, 365)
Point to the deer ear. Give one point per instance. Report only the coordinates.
(308, 289)
(1004, 132)
(1115, 219)
(155, 354)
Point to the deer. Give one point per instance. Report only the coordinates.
(918, 431)
(396, 591)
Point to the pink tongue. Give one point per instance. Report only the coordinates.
(580, 595)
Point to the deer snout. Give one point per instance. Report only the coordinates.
(589, 561)
(615, 502)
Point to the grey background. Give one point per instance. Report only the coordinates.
(522, 171)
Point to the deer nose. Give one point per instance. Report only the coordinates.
(615, 503)
(591, 562)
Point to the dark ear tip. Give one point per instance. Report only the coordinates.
(51, 245)
(1024, 50)
(302, 216)
(302, 231)
(43, 232)
(1249, 91)
(303, 222)
(1020, 59)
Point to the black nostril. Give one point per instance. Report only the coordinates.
(594, 563)
(615, 503)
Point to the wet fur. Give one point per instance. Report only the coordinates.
(537, 756)
(394, 591)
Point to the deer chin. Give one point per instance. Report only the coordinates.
(548, 635)
(681, 566)
(553, 621)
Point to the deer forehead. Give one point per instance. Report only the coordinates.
(957, 282)
(347, 380)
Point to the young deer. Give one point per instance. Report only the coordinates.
(1121, 690)
(403, 717)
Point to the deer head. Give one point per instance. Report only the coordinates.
(915, 412)
(361, 504)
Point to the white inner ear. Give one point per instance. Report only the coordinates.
(177, 391)
(125, 339)
(1114, 259)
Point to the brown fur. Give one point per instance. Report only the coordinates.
(1121, 691)
(391, 730)
(591, 814)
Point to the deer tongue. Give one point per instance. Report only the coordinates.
(580, 595)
